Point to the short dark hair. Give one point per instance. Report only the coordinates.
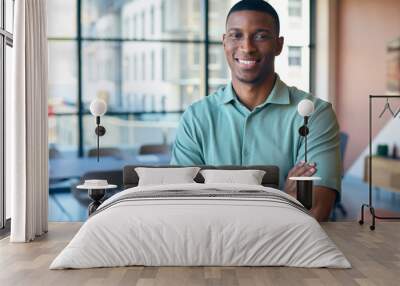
(256, 5)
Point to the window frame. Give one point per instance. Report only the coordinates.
(6, 39)
(295, 8)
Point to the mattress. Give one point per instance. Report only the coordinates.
(201, 225)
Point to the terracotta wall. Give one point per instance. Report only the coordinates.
(364, 29)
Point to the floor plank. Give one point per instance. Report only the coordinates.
(375, 257)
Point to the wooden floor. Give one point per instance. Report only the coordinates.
(374, 255)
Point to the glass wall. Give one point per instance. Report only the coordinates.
(147, 60)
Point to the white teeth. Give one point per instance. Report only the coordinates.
(247, 62)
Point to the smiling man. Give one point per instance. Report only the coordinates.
(254, 120)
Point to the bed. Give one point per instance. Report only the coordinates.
(197, 224)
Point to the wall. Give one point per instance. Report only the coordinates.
(389, 134)
(364, 29)
(325, 50)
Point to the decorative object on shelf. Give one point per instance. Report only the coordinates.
(98, 108)
(394, 151)
(96, 190)
(305, 184)
(369, 205)
(382, 150)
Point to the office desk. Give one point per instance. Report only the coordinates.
(68, 168)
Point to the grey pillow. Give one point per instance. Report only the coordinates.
(248, 177)
(166, 176)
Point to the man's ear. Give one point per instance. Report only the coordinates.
(223, 39)
(279, 45)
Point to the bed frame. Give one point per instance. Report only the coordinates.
(270, 179)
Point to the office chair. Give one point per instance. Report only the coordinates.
(154, 149)
(106, 152)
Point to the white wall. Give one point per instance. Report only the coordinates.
(390, 134)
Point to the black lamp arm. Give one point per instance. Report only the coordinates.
(303, 131)
(100, 131)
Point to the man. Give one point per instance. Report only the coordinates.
(254, 119)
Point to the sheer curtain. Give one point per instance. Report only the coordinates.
(26, 123)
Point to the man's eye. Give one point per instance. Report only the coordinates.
(259, 37)
(235, 36)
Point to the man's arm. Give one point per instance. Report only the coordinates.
(323, 149)
(187, 146)
(324, 199)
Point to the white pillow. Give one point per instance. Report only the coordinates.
(249, 177)
(165, 176)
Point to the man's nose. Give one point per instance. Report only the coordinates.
(247, 45)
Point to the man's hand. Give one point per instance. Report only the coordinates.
(300, 170)
(324, 198)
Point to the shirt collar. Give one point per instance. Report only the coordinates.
(278, 95)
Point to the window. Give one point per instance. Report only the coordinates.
(153, 65)
(92, 57)
(294, 8)
(126, 33)
(153, 103)
(196, 56)
(126, 67)
(6, 43)
(294, 57)
(143, 24)
(163, 64)
(132, 64)
(163, 102)
(134, 26)
(143, 66)
(162, 16)
(135, 69)
(152, 20)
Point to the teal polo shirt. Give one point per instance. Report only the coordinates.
(220, 130)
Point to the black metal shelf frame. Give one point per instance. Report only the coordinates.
(370, 205)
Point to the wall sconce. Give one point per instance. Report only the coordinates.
(305, 184)
(98, 108)
(305, 108)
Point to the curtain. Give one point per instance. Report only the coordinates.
(26, 123)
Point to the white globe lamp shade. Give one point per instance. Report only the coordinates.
(305, 107)
(98, 107)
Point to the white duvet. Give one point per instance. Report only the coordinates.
(200, 231)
